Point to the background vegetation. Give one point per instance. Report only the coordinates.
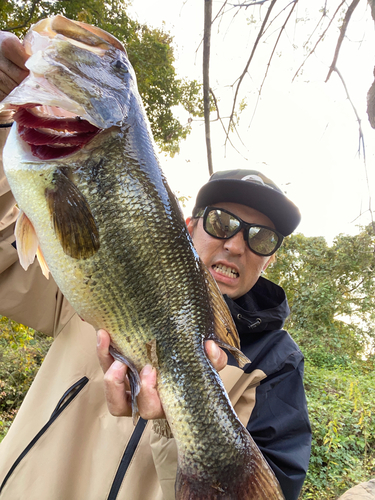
(331, 293)
(22, 351)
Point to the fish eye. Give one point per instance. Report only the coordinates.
(119, 65)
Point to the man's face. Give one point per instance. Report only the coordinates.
(234, 266)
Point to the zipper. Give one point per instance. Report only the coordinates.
(66, 399)
(126, 458)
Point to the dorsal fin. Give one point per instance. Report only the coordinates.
(225, 331)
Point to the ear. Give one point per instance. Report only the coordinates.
(266, 265)
(190, 225)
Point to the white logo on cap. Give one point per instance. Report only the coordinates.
(253, 178)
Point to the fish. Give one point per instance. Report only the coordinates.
(97, 212)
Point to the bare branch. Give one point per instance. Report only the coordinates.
(355, 287)
(261, 31)
(219, 11)
(206, 79)
(279, 14)
(324, 14)
(319, 39)
(27, 21)
(256, 2)
(219, 118)
(272, 54)
(361, 141)
(343, 28)
(361, 137)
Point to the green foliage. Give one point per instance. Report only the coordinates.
(152, 57)
(150, 52)
(340, 406)
(22, 351)
(331, 293)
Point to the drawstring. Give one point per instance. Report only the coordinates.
(249, 325)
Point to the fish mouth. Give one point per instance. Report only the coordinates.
(47, 129)
(52, 132)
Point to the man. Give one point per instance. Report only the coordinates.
(64, 443)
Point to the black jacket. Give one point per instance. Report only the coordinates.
(279, 422)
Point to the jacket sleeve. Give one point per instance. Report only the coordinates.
(164, 453)
(280, 426)
(25, 296)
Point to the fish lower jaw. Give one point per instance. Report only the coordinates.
(53, 133)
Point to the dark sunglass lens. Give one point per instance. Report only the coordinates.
(221, 224)
(262, 240)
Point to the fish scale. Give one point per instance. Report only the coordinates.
(113, 236)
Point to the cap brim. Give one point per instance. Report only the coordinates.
(282, 212)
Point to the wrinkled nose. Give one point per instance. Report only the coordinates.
(237, 244)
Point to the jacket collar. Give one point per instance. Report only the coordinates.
(263, 308)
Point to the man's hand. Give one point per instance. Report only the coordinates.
(12, 66)
(116, 383)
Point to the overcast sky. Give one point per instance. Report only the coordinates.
(303, 135)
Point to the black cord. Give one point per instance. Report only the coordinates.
(6, 125)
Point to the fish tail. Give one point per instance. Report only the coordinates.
(248, 479)
(245, 488)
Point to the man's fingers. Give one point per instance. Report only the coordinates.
(102, 349)
(116, 384)
(12, 63)
(116, 381)
(118, 398)
(6, 85)
(149, 403)
(13, 50)
(217, 356)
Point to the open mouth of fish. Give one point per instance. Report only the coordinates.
(52, 132)
(67, 56)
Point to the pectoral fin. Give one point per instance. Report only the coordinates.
(72, 219)
(42, 262)
(26, 240)
(225, 331)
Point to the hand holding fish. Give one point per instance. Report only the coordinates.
(12, 66)
(117, 387)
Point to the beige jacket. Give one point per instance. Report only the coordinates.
(64, 444)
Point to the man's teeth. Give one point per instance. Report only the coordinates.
(227, 271)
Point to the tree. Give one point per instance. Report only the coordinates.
(271, 20)
(331, 293)
(150, 52)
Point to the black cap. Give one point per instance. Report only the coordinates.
(251, 188)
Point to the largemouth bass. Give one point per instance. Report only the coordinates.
(98, 213)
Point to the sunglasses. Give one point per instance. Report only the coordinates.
(221, 224)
